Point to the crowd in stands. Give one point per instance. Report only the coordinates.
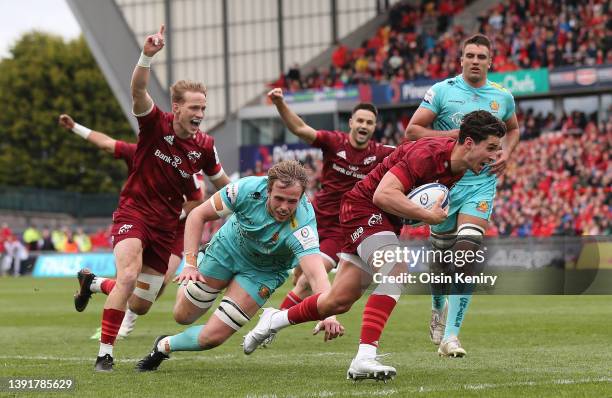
(419, 43)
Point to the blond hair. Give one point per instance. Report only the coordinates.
(287, 172)
(178, 89)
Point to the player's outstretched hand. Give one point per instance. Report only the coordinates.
(190, 274)
(154, 43)
(499, 167)
(437, 213)
(332, 328)
(66, 121)
(276, 95)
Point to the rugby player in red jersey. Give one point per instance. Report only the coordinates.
(125, 151)
(170, 150)
(371, 218)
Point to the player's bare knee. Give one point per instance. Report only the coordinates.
(139, 306)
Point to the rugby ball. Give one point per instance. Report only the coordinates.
(426, 196)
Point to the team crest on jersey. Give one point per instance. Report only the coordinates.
(483, 206)
(194, 155)
(341, 154)
(169, 139)
(375, 219)
(457, 117)
(494, 106)
(274, 237)
(369, 160)
(264, 292)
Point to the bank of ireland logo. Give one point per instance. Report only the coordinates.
(424, 198)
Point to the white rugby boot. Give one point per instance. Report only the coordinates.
(437, 324)
(451, 347)
(261, 332)
(370, 368)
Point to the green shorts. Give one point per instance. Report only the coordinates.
(223, 263)
(473, 200)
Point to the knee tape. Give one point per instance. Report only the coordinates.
(442, 242)
(231, 314)
(200, 294)
(147, 286)
(471, 233)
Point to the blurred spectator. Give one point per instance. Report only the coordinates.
(82, 241)
(31, 236)
(70, 246)
(14, 253)
(45, 243)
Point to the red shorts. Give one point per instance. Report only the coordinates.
(177, 246)
(331, 237)
(361, 219)
(156, 243)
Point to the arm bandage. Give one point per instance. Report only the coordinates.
(144, 61)
(219, 206)
(81, 130)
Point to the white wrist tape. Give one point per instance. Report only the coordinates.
(81, 130)
(144, 61)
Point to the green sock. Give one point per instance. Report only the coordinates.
(187, 340)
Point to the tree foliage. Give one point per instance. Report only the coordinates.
(44, 77)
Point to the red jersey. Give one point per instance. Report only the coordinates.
(414, 163)
(163, 170)
(343, 167)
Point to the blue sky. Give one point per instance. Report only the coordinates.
(20, 16)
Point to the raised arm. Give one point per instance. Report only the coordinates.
(294, 123)
(418, 127)
(99, 139)
(141, 100)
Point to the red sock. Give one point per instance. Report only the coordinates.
(305, 311)
(111, 322)
(375, 315)
(290, 300)
(107, 286)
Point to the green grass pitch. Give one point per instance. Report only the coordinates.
(518, 346)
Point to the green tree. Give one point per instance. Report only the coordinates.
(44, 77)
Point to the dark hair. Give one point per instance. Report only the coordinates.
(365, 106)
(478, 39)
(479, 125)
(287, 173)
